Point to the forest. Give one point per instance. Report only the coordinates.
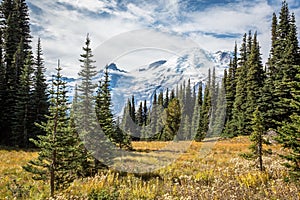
(52, 148)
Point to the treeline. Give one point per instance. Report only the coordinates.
(264, 98)
(23, 88)
(180, 114)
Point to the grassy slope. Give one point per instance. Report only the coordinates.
(221, 174)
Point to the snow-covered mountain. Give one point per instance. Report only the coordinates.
(143, 81)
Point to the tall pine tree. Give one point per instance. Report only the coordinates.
(57, 160)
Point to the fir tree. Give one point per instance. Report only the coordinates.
(23, 23)
(171, 120)
(58, 159)
(105, 117)
(254, 82)
(103, 107)
(237, 124)
(139, 115)
(166, 100)
(145, 113)
(220, 111)
(284, 61)
(229, 82)
(2, 88)
(40, 94)
(133, 113)
(203, 125)
(289, 134)
(84, 107)
(197, 111)
(213, 96)
(258, 140)
(23, 111)
(85, 113)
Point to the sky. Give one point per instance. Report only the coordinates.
(156, 27)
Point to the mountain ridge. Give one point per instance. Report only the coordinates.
(157, 76)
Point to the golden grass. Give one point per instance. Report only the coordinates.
(206, 170)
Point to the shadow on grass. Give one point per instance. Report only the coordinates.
(10, 148)
(147, 176)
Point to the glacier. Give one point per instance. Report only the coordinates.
(144, 81)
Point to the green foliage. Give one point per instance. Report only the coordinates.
(257, 139)
(39, 93)
(57, 161)
(171, 120)
(203, 124)
(22, 129)
(105, 117)
(15, 41)
(229, 82)
(237, 125)
(254, 82)
(102, 195)
(289, 134)
(220, 117)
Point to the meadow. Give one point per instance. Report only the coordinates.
(205, 170)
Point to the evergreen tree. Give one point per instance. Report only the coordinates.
(254, 82)
(220, 111)
(274, 37)
(213, 96)
(40, 94)
(185, 129)
(2, 88)
(284, 62)
(16, 46)
(153, 119)
(267, 97)
(84, 105)
(145, 113)
(23, 23)
(289, 134)
(237, 124)
(257, 139)
(229, 82)
(85, 165)
(58, 157)
(133, 113)
(200, 96)
(85, 113)
(160, 100)
(196, 112)
(166, 100)
(139, 115)
(22, 129)
(171, 120)
(103, 107)
(105, 117)
(11, 76)
(159, 129)
(203, 125)
(172, 95)
(188, 103)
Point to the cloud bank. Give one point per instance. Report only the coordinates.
(215, 25)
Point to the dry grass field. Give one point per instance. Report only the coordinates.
(206, 170)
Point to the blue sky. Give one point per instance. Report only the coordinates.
(214, 25)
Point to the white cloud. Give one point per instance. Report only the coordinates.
(64, 34)
(91, 5)
(64, 31)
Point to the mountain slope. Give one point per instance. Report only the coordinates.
(159, 75)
